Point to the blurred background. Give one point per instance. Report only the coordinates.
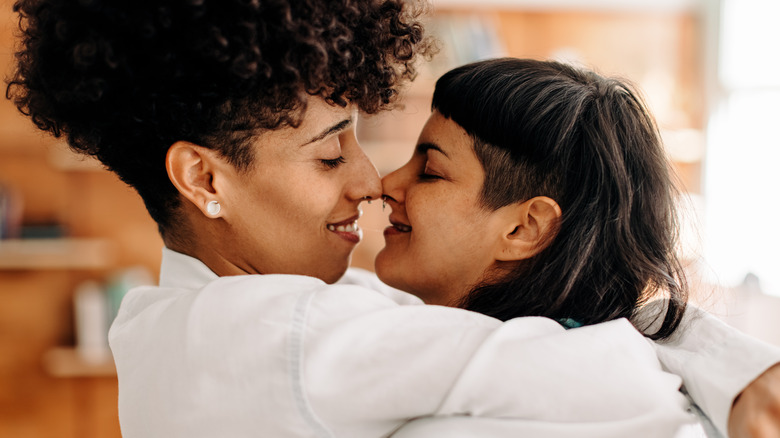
(73, 238)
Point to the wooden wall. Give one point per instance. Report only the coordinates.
(36, 304)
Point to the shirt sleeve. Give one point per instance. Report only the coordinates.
(366, 371)
(715, 361)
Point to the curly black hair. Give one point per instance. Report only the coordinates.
(125, 79)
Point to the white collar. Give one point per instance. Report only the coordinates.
(182, 271)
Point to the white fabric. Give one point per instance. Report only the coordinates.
(289, 356)
(715, 361)
(475, 427)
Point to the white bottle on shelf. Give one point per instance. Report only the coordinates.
(91, 320)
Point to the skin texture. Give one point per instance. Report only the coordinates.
(756, 412)
(442, 240)
(275, 216)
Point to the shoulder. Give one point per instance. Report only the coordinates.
(267, 296)
(258, 303)
(368, 279)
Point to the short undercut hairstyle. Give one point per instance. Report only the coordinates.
(550, 129)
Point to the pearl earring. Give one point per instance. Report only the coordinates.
(213, 208)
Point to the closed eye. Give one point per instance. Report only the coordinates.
(334, 163)
(428, 177)
(427, 174)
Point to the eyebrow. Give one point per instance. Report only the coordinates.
(423, 148)
(340, 126)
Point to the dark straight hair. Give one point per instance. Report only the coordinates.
(543, 128)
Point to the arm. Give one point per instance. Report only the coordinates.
(718, 363)
(730, 396)
(366, 373)
(560, 398)
(756, 411)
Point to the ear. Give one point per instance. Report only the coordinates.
(530, 228)
(192, 169)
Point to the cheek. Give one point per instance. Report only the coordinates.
(439, 238)
(442, 221)
(295, 198)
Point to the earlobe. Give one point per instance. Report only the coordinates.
(191, 169)
(531, 228)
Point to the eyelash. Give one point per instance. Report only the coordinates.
(334, 163)
(428, 177)
(423, 176)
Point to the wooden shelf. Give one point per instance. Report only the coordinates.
(55, 254)
(67, 362)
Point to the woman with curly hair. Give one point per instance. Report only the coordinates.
(235, 123)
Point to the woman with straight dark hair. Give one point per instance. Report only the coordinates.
(584, 152)
(538, 189)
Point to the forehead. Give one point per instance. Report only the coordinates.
(448, 136)
(317, 118)
(457, 157)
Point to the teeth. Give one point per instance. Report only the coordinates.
(349, 228)
(403, 228)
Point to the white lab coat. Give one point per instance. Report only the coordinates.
(289, 356)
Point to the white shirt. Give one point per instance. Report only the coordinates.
(290, 356)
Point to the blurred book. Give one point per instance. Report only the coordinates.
(10, 212)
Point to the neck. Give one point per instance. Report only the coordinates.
(203, 245)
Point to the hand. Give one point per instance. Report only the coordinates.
(756, 410)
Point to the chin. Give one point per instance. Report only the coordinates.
(388, 280)
(392, 272)
(384, 273)
(428, 295)
(335, 274)
(389, 277)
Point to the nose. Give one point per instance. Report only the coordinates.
(394, 185)
(366, 184)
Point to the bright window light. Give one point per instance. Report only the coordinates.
(742, 168)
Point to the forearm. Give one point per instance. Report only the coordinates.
(391, 365)
(716, 361)
(756, 412)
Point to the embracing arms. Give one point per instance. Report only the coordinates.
(734, 377)
(756, 412)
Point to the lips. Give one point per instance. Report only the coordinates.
(401, 227)
(347, 229)
(344, 227)
(396, 228)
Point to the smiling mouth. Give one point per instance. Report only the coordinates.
(348, 230)
(402, 228)
(350, 227)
